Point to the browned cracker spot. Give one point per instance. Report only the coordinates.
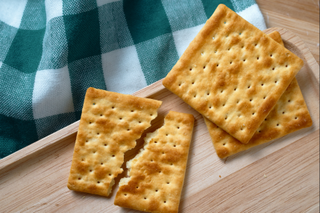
(157, 172)
(233, 73)
(109, 126)
(290, 114)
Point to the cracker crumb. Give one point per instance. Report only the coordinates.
(219, 176)
(264, 175)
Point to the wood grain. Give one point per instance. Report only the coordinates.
(300, 17)
(280, 176)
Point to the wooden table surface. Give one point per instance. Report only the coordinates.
(299, 16)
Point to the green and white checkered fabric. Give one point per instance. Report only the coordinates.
(53, 50)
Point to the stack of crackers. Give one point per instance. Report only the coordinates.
(242, 82)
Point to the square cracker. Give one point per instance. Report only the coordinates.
(289, 114)
(109, 126)
(157, 172)
(232, 73)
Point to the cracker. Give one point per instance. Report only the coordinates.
(232, 73)
(109, 126)
(289, 114)
(157, 172)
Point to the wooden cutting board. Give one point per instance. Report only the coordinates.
(282, 175)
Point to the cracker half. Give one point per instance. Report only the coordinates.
(157, 172)
(233, 74)
(109, 126)
(289, 114)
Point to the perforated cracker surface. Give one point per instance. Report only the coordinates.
(233, 73)
(157, 173)
(110, 124)
(290, 114)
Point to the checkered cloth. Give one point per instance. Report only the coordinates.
(53, 50)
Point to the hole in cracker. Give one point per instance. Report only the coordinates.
(296, 118)
(100, 114)
(164, 201)
(168, 182)
(90, 170)
(225, 22)
(159, 171)
(125, 194)
(228, 48)
(113, 156)
(242, 46)
(235, 89)
(109, 174)
(221, 91)
(98, 133)
(155, 142)
(79, 178)
(171, 164)
(93, 103)
(259, 131)
(255, 45)
(215, 51)
(179, 85)
(151, 114)
(223, 105)
(287, 65)
(278, 124)
(224, 144)
(239, 116)
(210, 107)
(94, 152)
(167, 135)
(275, 82)
(204, 67)
(190, 69)
(98, 182)
(262, 85)
(132, 110)
(156, 190)
(213, 37)
(128, 130)
(208, 93)
(192, 82)
(151, 160)
(82, 159)
(217, 65)
(264, 97)
(270, 55)
(239, 33)
(244, 60)
(230, 62)
(250, 100)
(257, 58)
(101, 163)
(282, 112)
(145, 198)
(178, 127)
(163, 153)
(105, 144)
(289, 100)
(249, 87)
(202, 53)
(174, 145)
(253, 113)
(90, 122)
(226, 118)
(120, 118)
(238, 101)
(87, 141)
(137, 187)
(273, 68)
(139, 122)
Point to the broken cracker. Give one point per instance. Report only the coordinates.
(233, 74)
(109, 126)
(156, 174)
(289, 114)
